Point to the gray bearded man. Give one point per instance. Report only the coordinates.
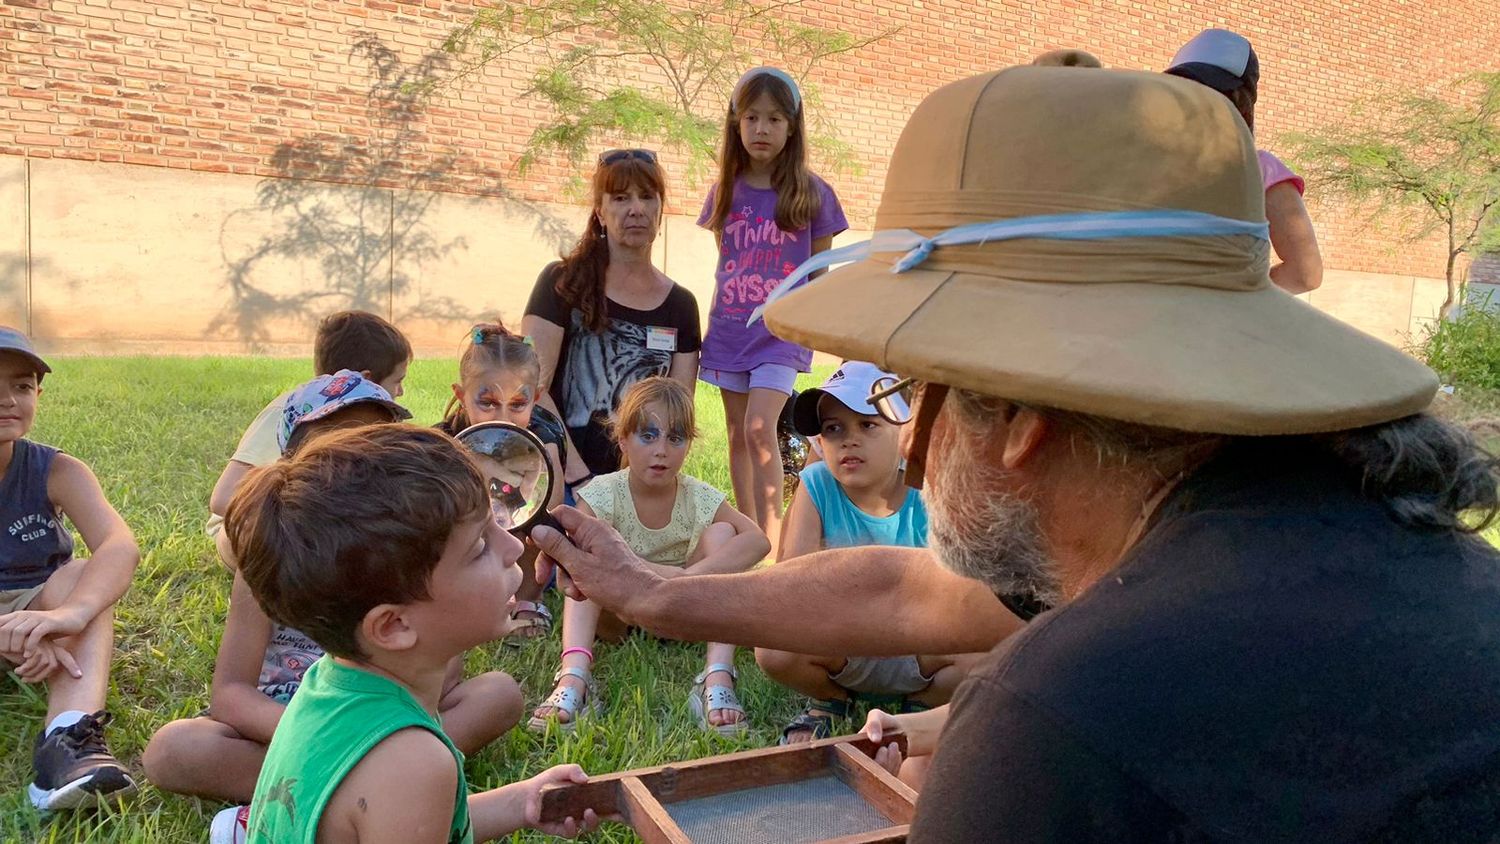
(1269, 616)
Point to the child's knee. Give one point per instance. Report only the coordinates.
(714, 537)
(760, 427)
(169, 757)
(59, 585)
(776, 664)
(499, 693)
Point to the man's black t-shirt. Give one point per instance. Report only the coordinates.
(1277, 660)
(594, 370)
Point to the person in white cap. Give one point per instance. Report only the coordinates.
(1225, 62)
(1271, 617)
(856, 496)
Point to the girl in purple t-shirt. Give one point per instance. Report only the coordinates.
(769, 213)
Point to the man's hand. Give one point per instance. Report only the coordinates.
(559, 775)
(593, 562)
(23, 631)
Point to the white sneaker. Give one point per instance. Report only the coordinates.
(230, 826)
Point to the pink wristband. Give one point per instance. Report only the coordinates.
(585, 651)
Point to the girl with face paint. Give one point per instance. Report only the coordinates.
(498, 375)
(679, 525)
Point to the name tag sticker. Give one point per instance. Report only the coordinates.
(661, 339)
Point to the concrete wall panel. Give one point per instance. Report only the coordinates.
(1380, 305)
(13, 242)
(130, 257)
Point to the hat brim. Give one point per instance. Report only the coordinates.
(1213, 76)
(31, 357)
(1251, 362)
(805, 419)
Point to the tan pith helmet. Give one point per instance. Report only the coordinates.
(1183, 331)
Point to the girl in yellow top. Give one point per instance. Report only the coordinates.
(677, 523)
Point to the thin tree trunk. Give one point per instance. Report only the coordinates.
(1450, 309)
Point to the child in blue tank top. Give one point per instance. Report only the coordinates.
(57, 613)
(856, 496)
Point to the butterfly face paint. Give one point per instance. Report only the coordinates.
(654, 452)
(506, 398)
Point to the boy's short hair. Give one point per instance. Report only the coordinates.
(359, 341)
(356, 519)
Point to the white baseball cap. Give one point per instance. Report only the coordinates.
(851, 384)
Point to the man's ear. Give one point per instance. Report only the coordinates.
(1024, 435)
(385, 628)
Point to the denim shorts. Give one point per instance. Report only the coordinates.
(767, 376)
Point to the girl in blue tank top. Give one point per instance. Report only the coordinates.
(56, 620)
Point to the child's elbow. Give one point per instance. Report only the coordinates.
(762, 548)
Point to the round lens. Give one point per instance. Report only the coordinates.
(517, 472)
(891, 397)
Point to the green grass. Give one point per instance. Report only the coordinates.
(157, 432)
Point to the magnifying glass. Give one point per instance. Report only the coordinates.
(518, 474)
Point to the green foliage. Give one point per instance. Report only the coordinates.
(591, 49)
(157, 432)
(1465, 350)
(1438, 155)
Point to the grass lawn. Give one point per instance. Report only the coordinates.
(157, 432)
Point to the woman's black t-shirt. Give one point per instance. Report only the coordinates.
(595, 369)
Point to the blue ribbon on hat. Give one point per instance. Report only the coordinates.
(1093, 225)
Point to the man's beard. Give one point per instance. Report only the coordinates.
(982, 531)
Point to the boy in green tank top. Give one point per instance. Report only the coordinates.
(378, 543)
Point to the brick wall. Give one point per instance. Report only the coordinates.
(220, 86)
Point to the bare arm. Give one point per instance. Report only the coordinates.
(502, 811)
(820, 244)
(111, 564)
(802, 533)
(224, 487)
(748, 547)
(1296, 243)
(872, 601)
(401, 791)
(233, 697)
(547, 338)
(684, 370)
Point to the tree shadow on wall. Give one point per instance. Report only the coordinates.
(356, 207)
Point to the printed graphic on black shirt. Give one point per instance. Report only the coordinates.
(601, 367)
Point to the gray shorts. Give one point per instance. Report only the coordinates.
(15, 600)
(882, 675)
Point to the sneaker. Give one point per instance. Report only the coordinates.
(230, 826)
(75, 770)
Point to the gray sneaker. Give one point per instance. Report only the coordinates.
(75, 770)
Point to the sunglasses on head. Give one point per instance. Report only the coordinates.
(610, 156)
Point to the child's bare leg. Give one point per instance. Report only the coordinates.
(204, 758)
(947, 672)
(804, 673)
(92, 649)
(741, 468)
(580, 619)
(480, 709)
(530, 590)
(914, 771)
(762, 412)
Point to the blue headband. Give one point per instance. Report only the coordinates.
(775, 73)
(1094, 225)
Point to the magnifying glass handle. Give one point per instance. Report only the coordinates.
(545, 518)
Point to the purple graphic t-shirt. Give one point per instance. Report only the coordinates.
(755, 256)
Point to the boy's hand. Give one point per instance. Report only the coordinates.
(559, 775)
(43, 662)
(23, 631)
(877, 725)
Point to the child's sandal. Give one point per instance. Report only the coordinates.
(818, 719)
(526, 629)
(567, 699)
(706, 698)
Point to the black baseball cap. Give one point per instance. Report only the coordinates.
(12, 340)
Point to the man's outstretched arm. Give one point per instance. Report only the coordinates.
(873, 601)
